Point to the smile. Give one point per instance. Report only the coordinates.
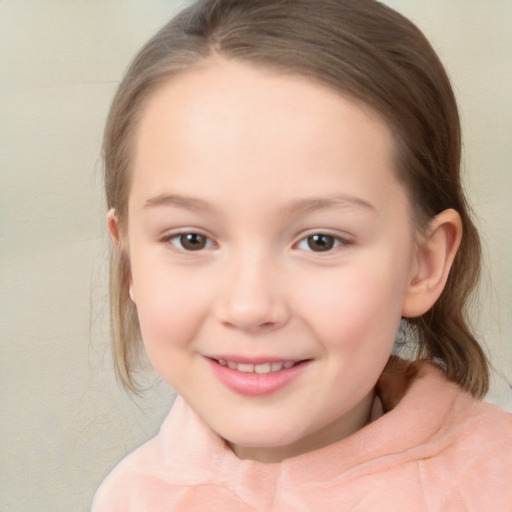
(256, 378)
(260, 369)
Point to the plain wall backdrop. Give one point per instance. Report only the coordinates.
(65, 423)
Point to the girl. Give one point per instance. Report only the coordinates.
(283, 187)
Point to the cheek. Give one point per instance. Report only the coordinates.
(169, 306)
(358, 310)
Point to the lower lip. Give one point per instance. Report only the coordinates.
(254, 384)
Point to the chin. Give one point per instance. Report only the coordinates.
(261, 437)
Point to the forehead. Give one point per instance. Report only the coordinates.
(226, 121)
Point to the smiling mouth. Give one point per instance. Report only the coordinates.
(258, 368)
(258, 377)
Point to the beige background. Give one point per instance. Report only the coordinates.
(64, 422)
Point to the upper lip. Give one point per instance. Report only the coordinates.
(245, 359)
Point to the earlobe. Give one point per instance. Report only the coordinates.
(435, 255)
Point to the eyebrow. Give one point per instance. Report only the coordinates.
(304, 205)
(186, 202)
(301, 205)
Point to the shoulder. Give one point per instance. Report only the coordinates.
(469, 432)
(474, 463)
(477, 463)
(139, 478)
(458, 449)
(485, 434)
(492, 418)
(156, 479)
(134, 473)
(176, 470)
(449, 450)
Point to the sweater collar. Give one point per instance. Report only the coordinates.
(415, 398)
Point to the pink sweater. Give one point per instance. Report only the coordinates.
(437, 449)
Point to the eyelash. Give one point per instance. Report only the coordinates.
(333, 242)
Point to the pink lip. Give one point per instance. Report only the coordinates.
(253, 384)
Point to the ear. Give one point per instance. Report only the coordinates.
(434, 257)
(113, 227)
(114, 231)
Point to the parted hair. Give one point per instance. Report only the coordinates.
(361, 49)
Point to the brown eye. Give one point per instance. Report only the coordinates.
(320, 243)
(190, 242)
(193, 241)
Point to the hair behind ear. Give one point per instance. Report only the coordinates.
(442, 329)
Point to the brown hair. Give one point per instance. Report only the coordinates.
(361, 49)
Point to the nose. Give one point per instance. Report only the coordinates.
(252, 296)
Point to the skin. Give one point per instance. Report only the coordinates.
(257, 162)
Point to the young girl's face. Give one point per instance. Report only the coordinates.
(267, 229)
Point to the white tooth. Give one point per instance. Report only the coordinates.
(288, 364)
(222, 362)
(232, 365)
(277, 366)
(262, 368)
(245, 368)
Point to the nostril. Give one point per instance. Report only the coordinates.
(251, 327)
